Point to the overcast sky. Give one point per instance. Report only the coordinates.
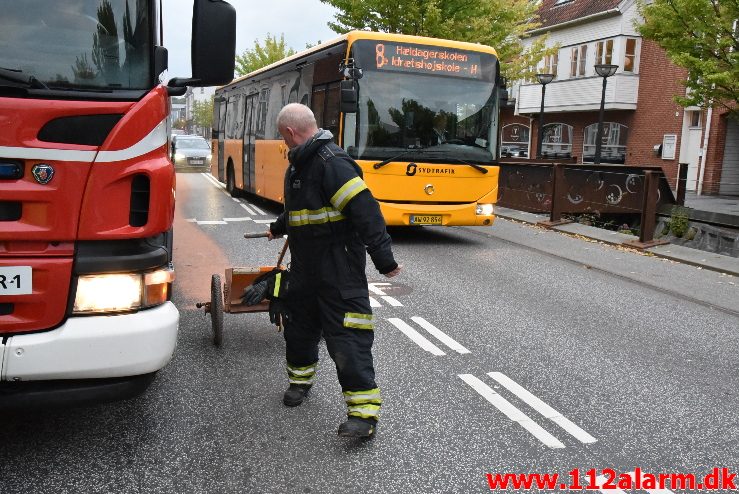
(302, 21)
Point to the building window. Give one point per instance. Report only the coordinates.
(577, 61)
(613, 143)
(515, 141)
(695, 119)
(604, 51)
(557, 142)
(630, 55)
(550, 64)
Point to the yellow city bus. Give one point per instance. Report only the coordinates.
(419, 115)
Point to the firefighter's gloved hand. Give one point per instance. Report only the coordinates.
(256, 292)
(279, 315)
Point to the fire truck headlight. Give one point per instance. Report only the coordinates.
(484, 209)
(122, 292)
(108, 293)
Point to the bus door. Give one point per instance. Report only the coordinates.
(249, 146)
(325, 106)
(221, 134)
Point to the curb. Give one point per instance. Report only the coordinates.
(685, 255)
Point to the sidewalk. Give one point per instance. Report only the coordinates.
(719, 210)
(706, 260)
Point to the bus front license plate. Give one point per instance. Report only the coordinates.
(425, 219)
(16, 280)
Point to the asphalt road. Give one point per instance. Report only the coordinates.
(505, 349)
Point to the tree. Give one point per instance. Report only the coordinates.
(703, 37)
(202, 113)
(497, 23)
(260, 56)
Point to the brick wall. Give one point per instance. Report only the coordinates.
(657, 114)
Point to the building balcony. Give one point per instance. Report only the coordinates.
(580, 94)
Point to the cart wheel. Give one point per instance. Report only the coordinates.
(216, 309)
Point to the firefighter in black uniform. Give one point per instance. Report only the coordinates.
(330, 217)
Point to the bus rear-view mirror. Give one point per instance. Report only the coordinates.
(348, 97)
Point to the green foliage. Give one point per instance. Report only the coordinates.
(497, 23)
(679, 221)
(703, 37)
(202, 113)
(272, 51)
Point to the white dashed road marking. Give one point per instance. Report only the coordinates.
(374, 302)
(440, 335)
(511, 411)
(542, 407)
(392, 301)
(248, 209)
(417, 337)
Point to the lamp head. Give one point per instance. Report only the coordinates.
(605, 69)
(545, 79)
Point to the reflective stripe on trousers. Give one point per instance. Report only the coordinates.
(363, 404)
(301, 375)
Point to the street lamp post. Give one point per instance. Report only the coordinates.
(605, 71)
(544, 79)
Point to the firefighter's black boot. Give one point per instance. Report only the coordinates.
(358, 428)
(295, 394)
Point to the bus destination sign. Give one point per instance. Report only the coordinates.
(427, 60)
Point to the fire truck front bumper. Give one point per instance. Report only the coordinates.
(94, 347)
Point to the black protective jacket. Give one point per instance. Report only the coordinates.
(330, 217)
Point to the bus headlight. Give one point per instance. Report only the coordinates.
(122, 291)
(484, 209)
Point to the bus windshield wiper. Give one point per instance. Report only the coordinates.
(473, 165)
(382, 163)
(13, 75)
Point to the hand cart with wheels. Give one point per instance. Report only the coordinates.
(226, 296)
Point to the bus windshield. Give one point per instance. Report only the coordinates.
(85, 44)
(427, 109)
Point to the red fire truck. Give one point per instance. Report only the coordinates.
(87, 193)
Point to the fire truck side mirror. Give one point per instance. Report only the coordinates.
(213, 42)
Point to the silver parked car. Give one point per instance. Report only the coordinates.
(191, 151)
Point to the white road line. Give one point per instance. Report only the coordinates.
(235, 199)
(417, 337)
(258, 210)
(600, 480)
(439, 335)
(248, 209)
(213, 180)
(511, 411)
(392, 301)
(191, 220)
(374, 302)
(212, 223)
(373, 288)
(542, 408)
(264, 222)
(230, 220)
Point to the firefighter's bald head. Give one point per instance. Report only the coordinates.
(296, 124)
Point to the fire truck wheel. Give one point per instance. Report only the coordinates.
(216, 309)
